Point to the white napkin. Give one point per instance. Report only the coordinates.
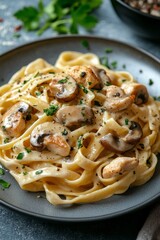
(151, 228)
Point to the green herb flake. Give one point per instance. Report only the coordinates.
(19, 90)
(65, 132)
(150, 82)
(80, 142)
(51, 72)
(51, 110)
(20, 156)
(16, 35)
(85, 44)
(3, 128)
(124, 80)
(63, 80)
(25, 81)
(126, 121)
(38, 93)
(108, 50)
(81, 101)
(2, 172)
(108, 83)
(114, 64)
(104, 61)
(89, 83)
(4, 184)
(28, 150)
(37, 75)
(6, 140)
(85, 90)
(39, 172)
(25, 173)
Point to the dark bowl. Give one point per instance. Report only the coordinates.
(143, 24)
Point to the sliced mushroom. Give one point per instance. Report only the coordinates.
(135, 133)
(86, 75)
(102, 75)
(138, 90)
(119, 166)
(116, 99)
(120, 145)
(14, 119)
(51, 136)
(115, 144)
(64, 88)
(75, 116)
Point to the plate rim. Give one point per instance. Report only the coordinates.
(92, 218)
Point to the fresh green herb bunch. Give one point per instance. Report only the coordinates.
(63, 16)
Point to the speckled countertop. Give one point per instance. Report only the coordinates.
(17, 226)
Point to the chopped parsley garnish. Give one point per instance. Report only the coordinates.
(39, 172)
(85, 90)
(51, 72)
(51, 110)
(2, 172)
(38, 93)
(37, 75)
(108, 50)
(151, 82)
(114, 64)
(4, 184)
(25, 81)
(65, 132)
(89, 83)
(124, 80)
(126, 121)
(3, 128)
(20, 156)
(104, 61)
(28, 150)
(63, 80)
(81, 101)
(80, 142)
(85, 44)
(6, 140)
(108, 83)
(25, 173)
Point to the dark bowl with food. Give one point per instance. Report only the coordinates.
(144, 24)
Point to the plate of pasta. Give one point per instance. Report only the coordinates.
(79, 130)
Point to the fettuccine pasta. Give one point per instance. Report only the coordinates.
(77, 130)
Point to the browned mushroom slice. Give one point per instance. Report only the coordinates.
(116, 99)
(85, 75)
(13, 121)
(120, 145)
(139, 90)
(74, 116)
(102, 75)
(51, 136)
(119, 166)
(115, 144)
(135, 133)
(64, 88)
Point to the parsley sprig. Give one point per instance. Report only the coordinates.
(62, 16)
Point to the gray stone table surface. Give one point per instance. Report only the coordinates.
(17, 226)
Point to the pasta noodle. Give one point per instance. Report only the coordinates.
(77, 130)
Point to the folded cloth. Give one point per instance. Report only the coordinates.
(151, 228)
